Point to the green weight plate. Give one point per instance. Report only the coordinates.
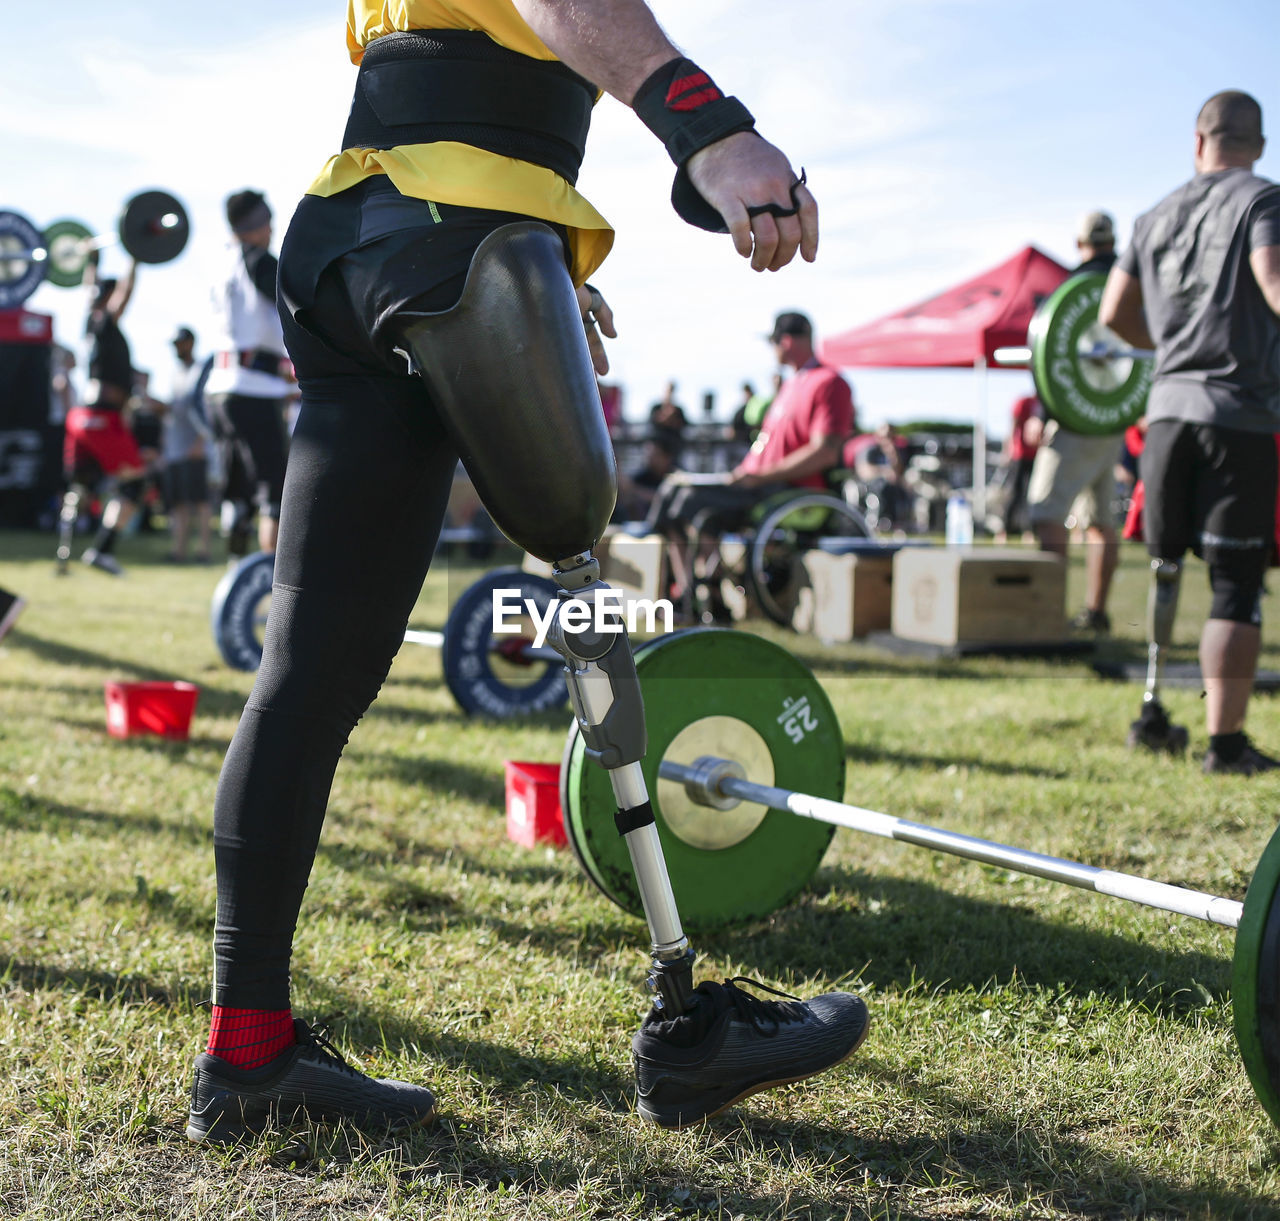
(1086, 395)
(68, 244)
(710, 692)
(1255, 980)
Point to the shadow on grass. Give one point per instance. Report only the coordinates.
(895, 932)
(109, 986)
(860, 753)
(976, 1153)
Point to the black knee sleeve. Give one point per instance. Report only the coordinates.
(1236, 582)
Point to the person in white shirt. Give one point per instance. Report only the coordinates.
(251, 376)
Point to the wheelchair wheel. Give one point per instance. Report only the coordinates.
(775, 572)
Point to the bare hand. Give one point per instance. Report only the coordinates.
(744, 171)
(597, 319)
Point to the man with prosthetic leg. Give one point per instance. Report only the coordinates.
(433, 296)
(1200, 283)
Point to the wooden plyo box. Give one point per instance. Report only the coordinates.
(954, 595)
(852, 594)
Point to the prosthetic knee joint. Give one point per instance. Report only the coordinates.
(1153, 729)
(509, 371)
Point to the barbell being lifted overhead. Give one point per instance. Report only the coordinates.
(742, 739)
(153, 228)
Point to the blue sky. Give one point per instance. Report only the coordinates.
(939, 136)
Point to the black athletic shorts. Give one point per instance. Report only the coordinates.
(255, 439)
(186, 482)
(1208, 490)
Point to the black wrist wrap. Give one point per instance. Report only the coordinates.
(682, 106)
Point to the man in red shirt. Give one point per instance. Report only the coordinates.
(800, 439)
(1025, 427)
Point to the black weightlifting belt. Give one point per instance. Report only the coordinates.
(422, 86)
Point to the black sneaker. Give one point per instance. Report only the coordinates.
(1092, 621)
(1251, 762)
(1155, 732)
(11, 607)
(104, 561)
(310, 1079)
(732, 1044)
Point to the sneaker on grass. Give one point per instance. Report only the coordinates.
(311, 1080)
(104, 561)
(11, 607)
(1250, 762)
(732, 1044)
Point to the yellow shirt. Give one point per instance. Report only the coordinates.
(453, 173)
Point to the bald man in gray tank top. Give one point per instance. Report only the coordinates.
(1200, 283)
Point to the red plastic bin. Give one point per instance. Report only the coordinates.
(533, 804)
(160, 708)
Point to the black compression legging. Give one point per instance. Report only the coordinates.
(352, 554)
(369, 475)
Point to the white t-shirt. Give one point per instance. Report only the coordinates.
(246, 322)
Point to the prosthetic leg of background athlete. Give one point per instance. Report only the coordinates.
(373, 444)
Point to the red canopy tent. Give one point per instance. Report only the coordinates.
(959, 328)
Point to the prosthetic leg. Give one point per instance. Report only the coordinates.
(509, 371)
(1153, 729)
(68, 515)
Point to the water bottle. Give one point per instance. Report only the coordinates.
(959, 521)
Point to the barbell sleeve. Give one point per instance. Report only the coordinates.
(435, 640)
(1181, 900)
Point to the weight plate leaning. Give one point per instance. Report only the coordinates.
(484, 672)
(22, 262)
(1086, 394)
(1255, 980)
(239, 612)
(68, 244)
(738, 696)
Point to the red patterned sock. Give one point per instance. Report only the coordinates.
(250, 1038)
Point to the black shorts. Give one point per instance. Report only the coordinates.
(1208, 490)
(255, 442)
(186, 482)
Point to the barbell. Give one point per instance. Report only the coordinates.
(743, 739)
(1087, 378)
(488, 675)
(153, 228)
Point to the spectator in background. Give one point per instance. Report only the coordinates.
(61, 392)
(186, 435)
(667, 414)
(1073, 474)
(1026, 426)
(636, 492)
(250, 383)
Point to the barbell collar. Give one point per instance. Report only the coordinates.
(1213, 909)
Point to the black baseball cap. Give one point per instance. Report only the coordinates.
(184, 333)
(790, 323)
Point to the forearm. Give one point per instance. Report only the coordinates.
(817, 456)
(615, 44)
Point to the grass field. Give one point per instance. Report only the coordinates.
(1035, 1051)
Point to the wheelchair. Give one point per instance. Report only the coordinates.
(761, 566)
